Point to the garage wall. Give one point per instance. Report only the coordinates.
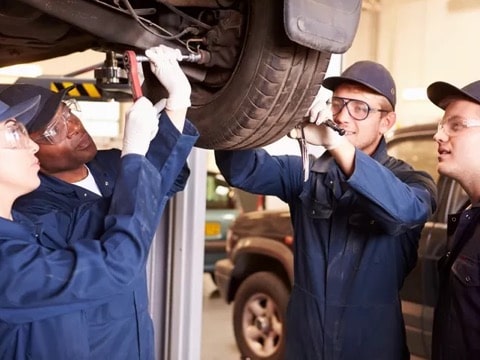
(420, 41)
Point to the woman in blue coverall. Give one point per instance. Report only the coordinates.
(73, 173)
(357, 221)
(53, 272)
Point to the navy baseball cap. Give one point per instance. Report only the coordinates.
(439, 91)
(49, 103)
(369, 74)
(26, 108)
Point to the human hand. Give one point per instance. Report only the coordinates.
(141, 126)
(164, 64)
(321, 135)
(159, 106)
(319, 112)
(177, 117)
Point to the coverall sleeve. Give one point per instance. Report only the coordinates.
(258, 172)
(40, 280)
(167, 138)
(397, 199)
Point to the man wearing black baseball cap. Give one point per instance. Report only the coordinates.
(357, 220)
(456, 333)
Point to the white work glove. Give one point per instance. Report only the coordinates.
(159, 106)
(164, 64)
(319, 112)
(141, 126)
(317, 133)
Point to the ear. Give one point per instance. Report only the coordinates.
(387, 121)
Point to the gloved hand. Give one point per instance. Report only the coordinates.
(317, 133)
(164, 64)
(159, 106)
(141, 126)
(319, 112)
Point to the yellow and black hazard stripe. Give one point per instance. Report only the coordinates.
(81, 90)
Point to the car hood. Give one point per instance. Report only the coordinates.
(266, 223)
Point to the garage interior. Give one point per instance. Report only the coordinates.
(419, 41)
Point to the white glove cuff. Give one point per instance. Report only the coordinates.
(177, 103)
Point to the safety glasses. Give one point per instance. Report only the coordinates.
(56, 130)
(14, 135)
(454, 125)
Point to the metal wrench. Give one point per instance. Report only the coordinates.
(303, 143)
(131, 61)
(188, 58)
(303, 151)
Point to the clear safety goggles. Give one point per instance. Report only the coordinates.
(56, 130)
(454, 125)
(14, 135)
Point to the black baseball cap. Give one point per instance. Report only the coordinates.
(26, 108)
(369, 74)
(439, 91)
(49, 103)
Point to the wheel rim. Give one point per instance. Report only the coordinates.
(262, 325)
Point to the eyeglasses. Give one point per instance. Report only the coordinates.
(56, 130)
(14, 135)
(358, 109)
(453, 126)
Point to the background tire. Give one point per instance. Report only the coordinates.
(259, 313)
(271, 88)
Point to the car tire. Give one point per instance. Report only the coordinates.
(259, 312)
(270, 90)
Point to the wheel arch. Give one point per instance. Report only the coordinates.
(254, 254)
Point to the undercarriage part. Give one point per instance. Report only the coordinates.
(251, 88)
(110, 72)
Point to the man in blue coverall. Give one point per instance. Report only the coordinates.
(357, 221)
(73, 172)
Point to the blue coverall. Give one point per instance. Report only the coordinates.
(120, 327)
(47, 282)
(355, 242)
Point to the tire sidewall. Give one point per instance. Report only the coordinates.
(269, 284)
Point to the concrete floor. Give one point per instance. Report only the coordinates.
(218, 340)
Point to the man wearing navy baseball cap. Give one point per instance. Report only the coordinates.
(357, 221)
(456, 333)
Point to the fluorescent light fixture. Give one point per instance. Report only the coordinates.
(414, 94)
(26, 70)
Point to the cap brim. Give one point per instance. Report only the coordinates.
(28, 107)
(439, 91)
(332, 82)
(47, 112)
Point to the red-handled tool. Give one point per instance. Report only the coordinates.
(131, 65)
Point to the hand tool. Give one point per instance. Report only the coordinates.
(331, 124)
(131, 65)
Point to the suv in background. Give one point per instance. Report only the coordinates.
(258, 273)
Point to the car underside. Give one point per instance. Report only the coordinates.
(251, 83)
